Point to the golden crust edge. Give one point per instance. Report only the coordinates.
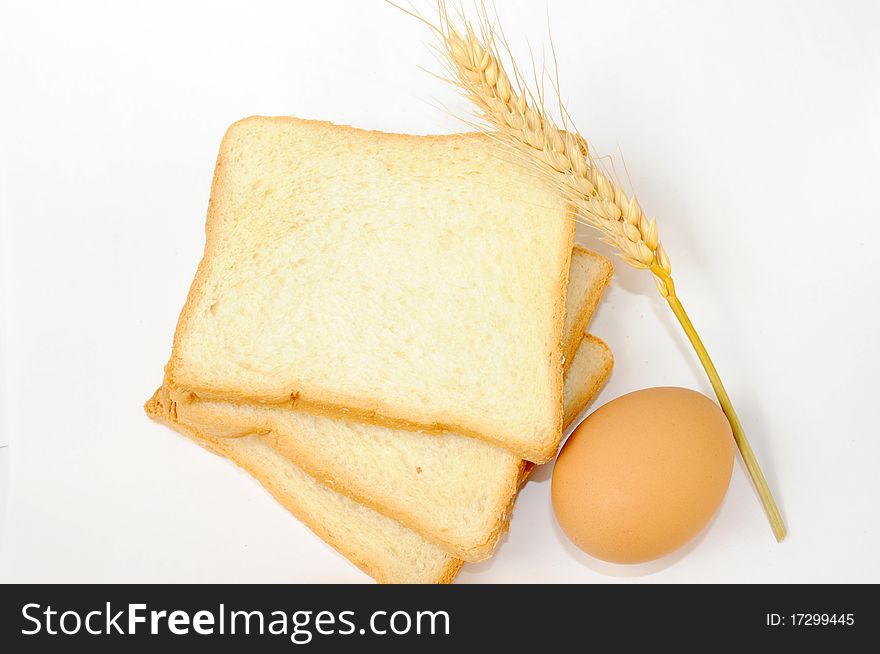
(585, 314)
(588, 395)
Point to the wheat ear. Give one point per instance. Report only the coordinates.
(517, 119)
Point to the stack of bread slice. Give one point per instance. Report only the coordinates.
(387, 332)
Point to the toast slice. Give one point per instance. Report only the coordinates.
(382, 547)
(409, 281)
(457, 491)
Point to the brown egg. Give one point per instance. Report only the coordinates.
(642, 475)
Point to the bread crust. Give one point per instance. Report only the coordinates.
(592, 301)
(157, 409)
(587, 395)
(324, 401)
(589, 392)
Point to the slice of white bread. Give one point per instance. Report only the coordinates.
(402, 280)
(457, 491)
(381, 546)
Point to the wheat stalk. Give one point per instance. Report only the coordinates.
(517, 120)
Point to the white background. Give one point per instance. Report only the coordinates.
(750, 129)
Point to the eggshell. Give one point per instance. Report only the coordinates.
(644, 474)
